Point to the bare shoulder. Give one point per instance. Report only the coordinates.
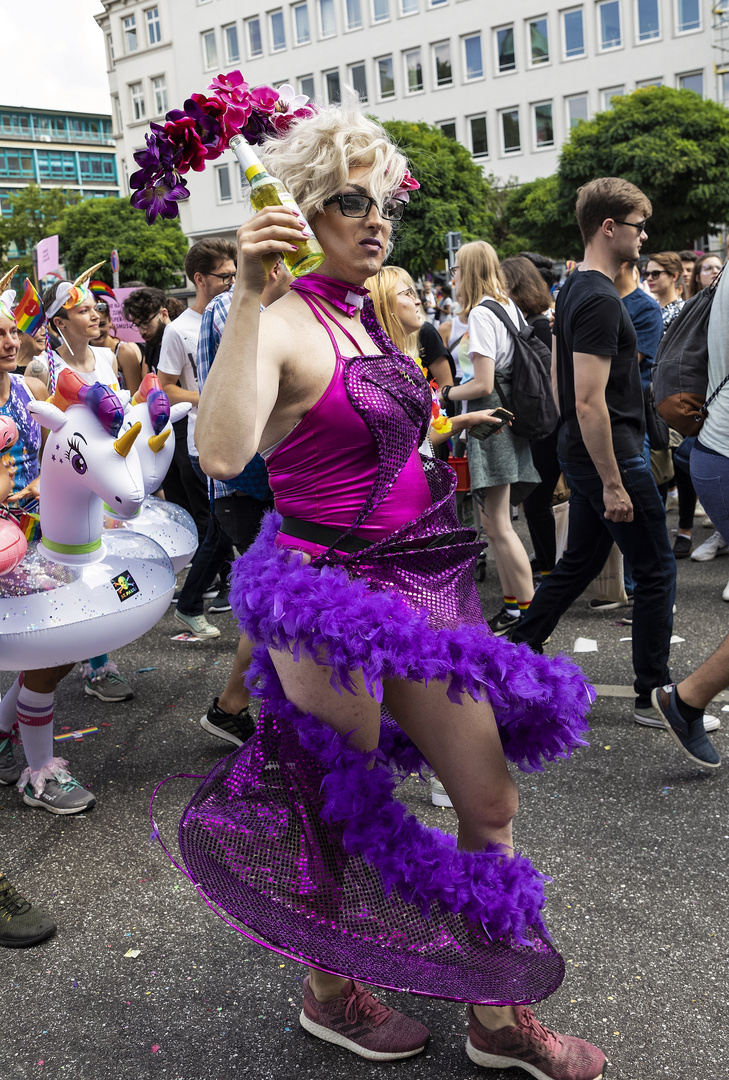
(37, 388)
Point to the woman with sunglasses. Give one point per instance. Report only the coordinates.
(705, 271)
(376, 654)
(664, 273)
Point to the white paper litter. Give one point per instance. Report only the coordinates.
(133, 953)
(675, 640)
(584, 644)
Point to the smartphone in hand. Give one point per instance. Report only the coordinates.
(485, 430)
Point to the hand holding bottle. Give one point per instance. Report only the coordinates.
(262, 240)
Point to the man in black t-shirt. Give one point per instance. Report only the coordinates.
(614, 498)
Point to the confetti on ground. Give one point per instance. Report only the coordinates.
(675, 640)
(725, 708)
(584, 644)
(141, 669)
(75, 734)
(185, 637)
(626, 639)
(155, 1048)
(133, 953)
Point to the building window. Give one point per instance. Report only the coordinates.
(443, 68)
(306, 86)
(118, 114)
(327, 22)
(385, 77)
(159, 89)
(414, 70)
(474, 59)
(230, 36)
(688, 15)
(154, 30)
(302, 33)
(576, 110)
(437, 3)
(724, 87)
(354, 14)
(538, 42)
(648, 24)
(648, 82)
(109, 51)
(510, 131)
(448, 128)
(609, 95)
(543, 125)
(479, 139)
(99, 167)
(222, 176)
(609, 24)
(136, 93)
(131, 43)
(255, 45)
(210, 50)
(693, 81)
(574, 33)
(334, 90)
(358, 79)
(505, 56)
(278, 34)
(380, 10)
(408, 7)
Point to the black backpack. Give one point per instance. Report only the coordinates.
(535, 411)
(680, 372)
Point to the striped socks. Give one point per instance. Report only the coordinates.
(512, 608)
(35, 718)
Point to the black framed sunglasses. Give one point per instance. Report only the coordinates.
(651, 275)
(359, 206)
(639, 225)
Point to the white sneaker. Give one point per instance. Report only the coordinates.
(438, 794)
(199, 625)
(725, 594)
(715, 545)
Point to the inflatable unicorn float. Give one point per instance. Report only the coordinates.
(164, 522)
(81, 588)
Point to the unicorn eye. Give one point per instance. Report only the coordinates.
(74, 455)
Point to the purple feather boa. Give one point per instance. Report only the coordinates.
(539, 702)
(502, 895)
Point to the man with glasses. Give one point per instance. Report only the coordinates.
(210, 265)
(614, 498)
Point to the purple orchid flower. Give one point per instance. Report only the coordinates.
(161, 198)
(161, 154)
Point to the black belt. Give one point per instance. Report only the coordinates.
(333, 538)
(323, 535)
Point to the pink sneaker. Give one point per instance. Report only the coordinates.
(528, 1045)
(362, 1024)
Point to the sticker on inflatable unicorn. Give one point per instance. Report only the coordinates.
(125, 585)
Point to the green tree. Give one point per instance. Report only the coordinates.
(153, 254)
(36, 213)
(671, 143)
(454, 196)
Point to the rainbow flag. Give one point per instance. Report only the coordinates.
(100, 288)
(29, 310)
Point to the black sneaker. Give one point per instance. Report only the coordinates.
(503, 622)
(235, 728)
(21, 924)
(219, 605)
(689, 735)
(682, 547)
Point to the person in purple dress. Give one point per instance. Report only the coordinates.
(373, 658)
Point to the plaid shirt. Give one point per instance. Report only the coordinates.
(254, 478)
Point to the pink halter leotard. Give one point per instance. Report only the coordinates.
(323, 470)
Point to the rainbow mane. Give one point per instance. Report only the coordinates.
(72, 390)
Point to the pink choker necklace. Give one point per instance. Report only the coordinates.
(346, 298)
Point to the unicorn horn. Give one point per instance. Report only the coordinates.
(7, 279)
(156, 442)
(82, 278)
(124, 444)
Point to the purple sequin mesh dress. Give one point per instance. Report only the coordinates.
(293, 835)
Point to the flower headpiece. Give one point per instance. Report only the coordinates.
(7, 296)
(202, 131)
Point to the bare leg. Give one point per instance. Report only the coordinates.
(708, 680)
(512, 561)
(235, 696)
(461, 742)
(45, 680)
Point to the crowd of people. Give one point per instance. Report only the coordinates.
(340, 436)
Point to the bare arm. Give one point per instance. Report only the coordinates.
(480, 385)
(130, 361)
(591, 376)
(440, 370)
(174, 392)
(242, 386)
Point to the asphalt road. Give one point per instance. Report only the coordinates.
(632, 834)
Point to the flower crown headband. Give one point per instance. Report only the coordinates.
(202, 131)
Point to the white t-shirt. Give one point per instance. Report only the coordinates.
(103, 370)
(177, 357)
(489, 337)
